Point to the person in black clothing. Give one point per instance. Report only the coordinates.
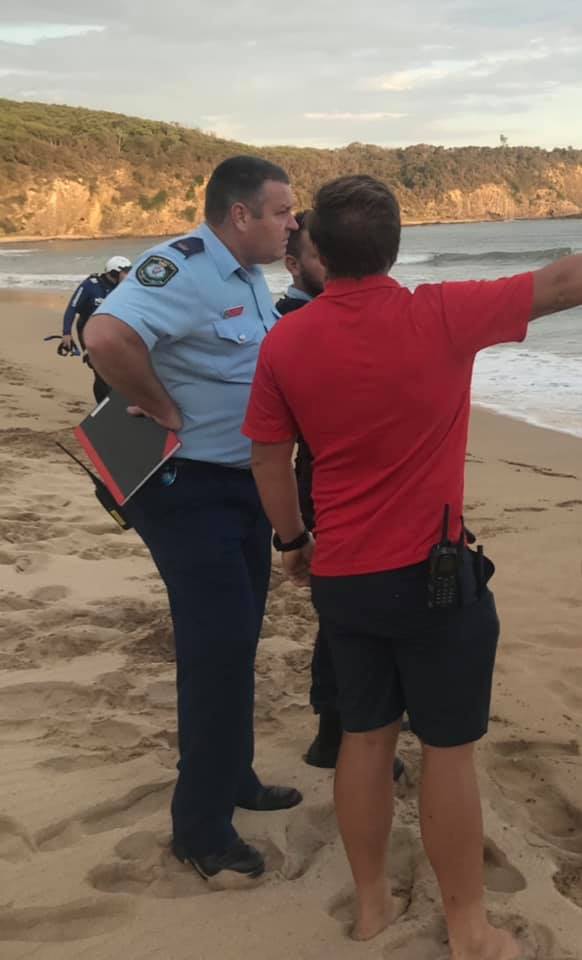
(89, 294)
(308, 273)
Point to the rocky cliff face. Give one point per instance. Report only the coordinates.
(113, 204)
(493, 201)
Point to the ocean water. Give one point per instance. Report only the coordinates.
(539, 381)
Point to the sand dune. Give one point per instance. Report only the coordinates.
(87, 725)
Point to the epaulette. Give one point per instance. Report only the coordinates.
(189, 245)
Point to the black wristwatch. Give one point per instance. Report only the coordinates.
(295, 544)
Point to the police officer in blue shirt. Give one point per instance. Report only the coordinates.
(85, 300)
(180, 338)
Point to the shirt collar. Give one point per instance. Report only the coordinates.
(296, 294)
(345, 285)
(226, 262)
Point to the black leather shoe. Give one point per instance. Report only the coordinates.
(272, 798)
(319, 755)
(240, 858)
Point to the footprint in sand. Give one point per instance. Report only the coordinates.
(109, 741)
(113, 551)
(404, 849)
(27, 702)
(522, 772)
(102, 529)
(27, 564)
(15, 842)
(500, 875)
(142, 801)
(568, 879)
(73, 921)
(146, 867)
(49, 594)
(15, 601)
(309, 830)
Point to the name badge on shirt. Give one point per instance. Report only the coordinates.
(233, 312)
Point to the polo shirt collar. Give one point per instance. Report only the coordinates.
(226, 262)
(344, 285)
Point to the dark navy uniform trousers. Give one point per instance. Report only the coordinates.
(211, 542)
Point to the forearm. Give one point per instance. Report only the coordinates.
(558, 286)
(68, 322)
(278, 492)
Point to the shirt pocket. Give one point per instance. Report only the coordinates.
(238, 342)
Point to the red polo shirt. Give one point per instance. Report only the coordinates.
(378, 379)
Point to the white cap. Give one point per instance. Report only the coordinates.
(116, 264)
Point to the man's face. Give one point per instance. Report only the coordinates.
(267, 229)
(116, 276)
(307, 269)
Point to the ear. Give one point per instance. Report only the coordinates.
(240, 216)
(292, 265)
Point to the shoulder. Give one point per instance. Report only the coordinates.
(169, 261)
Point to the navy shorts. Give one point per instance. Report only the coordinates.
(392, 653)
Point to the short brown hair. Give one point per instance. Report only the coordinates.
(239, 179)
(294, 241)
(356, 227)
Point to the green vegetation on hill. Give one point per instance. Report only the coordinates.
(40, 143)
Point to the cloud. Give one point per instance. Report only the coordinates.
(485, 65)
(418, 77)
(354, 116)
(30, 34)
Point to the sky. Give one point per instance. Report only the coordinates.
(313, 72)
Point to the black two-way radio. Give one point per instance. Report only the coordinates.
(444, 569)
(101, 492)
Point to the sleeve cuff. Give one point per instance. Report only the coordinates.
(263, 436)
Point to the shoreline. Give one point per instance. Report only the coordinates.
(51, 302)
(37, 238)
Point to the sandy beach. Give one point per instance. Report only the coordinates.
(87, 725)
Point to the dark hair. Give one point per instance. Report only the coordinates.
(294, 241)
(355, 226)
(239, 179)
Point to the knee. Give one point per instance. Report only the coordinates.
(460, 754)
(381, 739)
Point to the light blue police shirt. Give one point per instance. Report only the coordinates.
(203, 318)
(296, 294)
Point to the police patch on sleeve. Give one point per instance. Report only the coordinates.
(156, 272)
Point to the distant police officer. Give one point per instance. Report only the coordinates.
(180, 339)
(85, 300)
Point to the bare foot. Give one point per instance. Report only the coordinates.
(372, 920)
(499, 945)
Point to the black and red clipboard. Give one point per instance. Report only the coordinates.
(124, 449)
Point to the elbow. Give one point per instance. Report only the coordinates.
(92, 336)
(99, 340)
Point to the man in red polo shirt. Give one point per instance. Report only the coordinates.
(382, 398)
